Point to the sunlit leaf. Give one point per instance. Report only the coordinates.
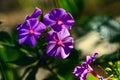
(91, 77)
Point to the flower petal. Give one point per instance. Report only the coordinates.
(91, 58)
(68, 40)
(31, 40)
(48, 21)
(50, 36)
(36, 13)
(19, 26)
(63, 34)
(51, 49)
(22, 39)
(68, 19)
(61, 53)
(78, 71)
(24, 33)
(88, 59)
(32, 23)
(57, 13)
(40, 28)
(56, 28)
(84, 74)
(94, 55)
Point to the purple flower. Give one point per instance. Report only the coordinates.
(82, 71)
(58, 19)
(59, 43)
(31, 29)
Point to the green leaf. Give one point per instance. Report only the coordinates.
(18, 56)
(60, 77)
(72, 6)
(24, 60)
(6, 72)
(4, 36)
(12, 53)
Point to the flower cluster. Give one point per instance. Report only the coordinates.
(59, 41)
(83, 70)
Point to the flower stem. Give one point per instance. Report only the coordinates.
(93, 72)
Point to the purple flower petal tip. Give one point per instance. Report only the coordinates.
(94, 55)
(35, 14)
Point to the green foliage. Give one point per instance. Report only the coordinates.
(114, 68)
(4, 36)
(32, 73)
(7, 72)
(24, 60)
(111, 64)
(73, 6)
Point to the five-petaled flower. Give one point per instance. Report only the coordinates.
(83, 70)
(31, 29)
(59, 43)
(58, 19)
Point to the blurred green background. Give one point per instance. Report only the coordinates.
(96, 29)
